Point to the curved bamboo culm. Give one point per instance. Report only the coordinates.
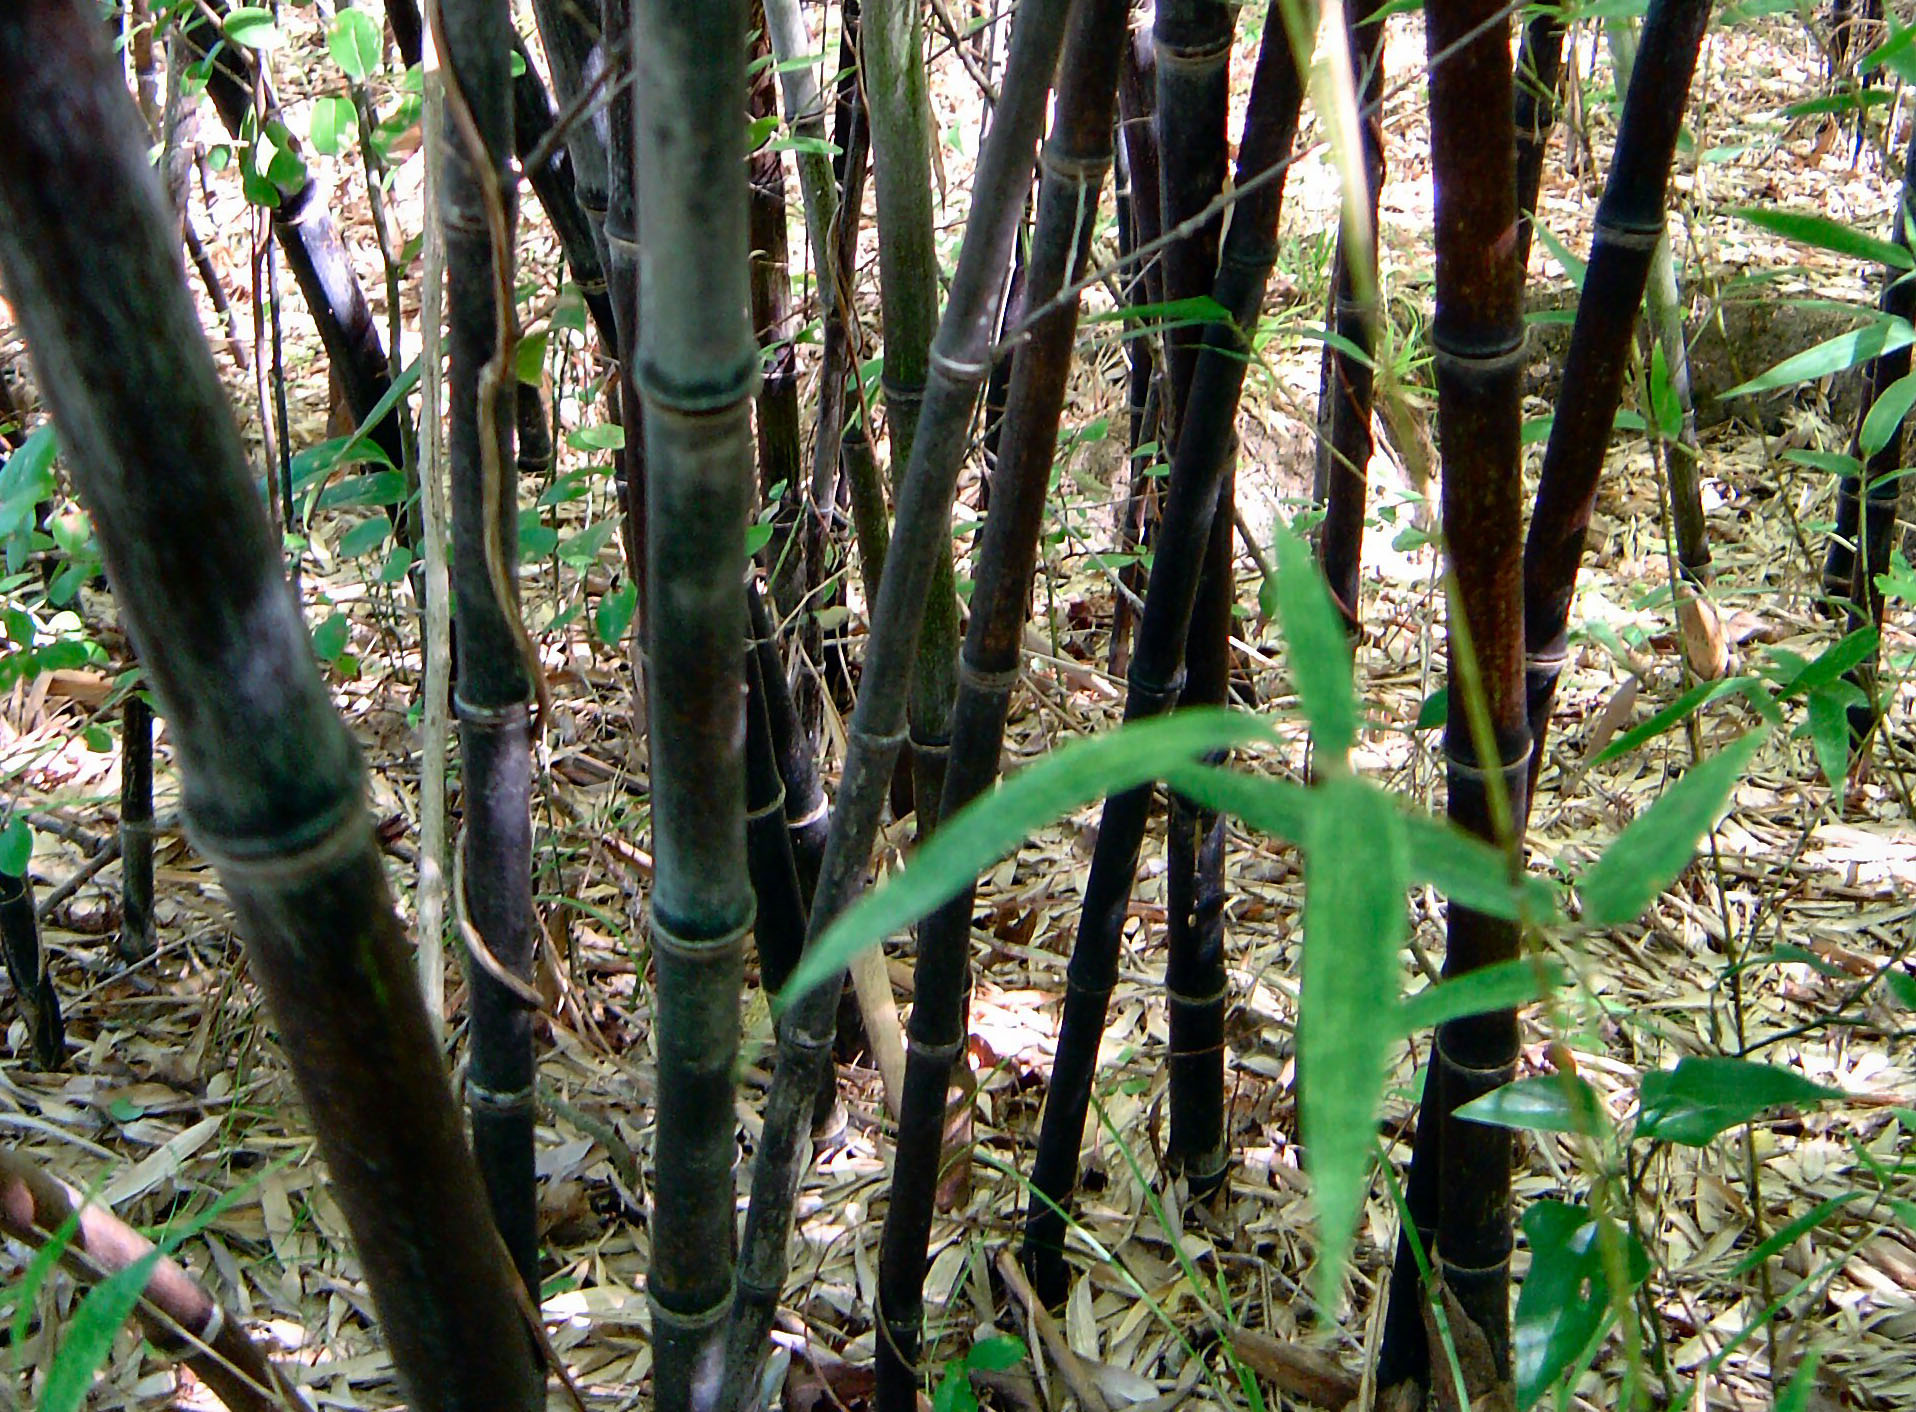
(696, 366)
(1157, 667)
(179, 1318)
(1192, 39)
(898, 104)
(271, 781)
(1849, 577)
(1539, 67)
(494, 690)
(1072, 167)
(959, 363)
(314, 250)
(1629, 223)
(620, 229)
(26, 963)
(1349, 381)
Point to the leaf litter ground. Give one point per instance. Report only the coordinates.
(175, 1093)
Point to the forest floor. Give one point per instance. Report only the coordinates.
(174, 1093)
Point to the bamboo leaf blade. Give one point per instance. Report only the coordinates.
(1566, 1298)
(1704, 1096)
(996, 824)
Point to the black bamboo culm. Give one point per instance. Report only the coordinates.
(1193, 43)
(959, 364)
(179, 1318)
(1349, 377)
(314, 250)
(898, 105)
(808, 814)
(136, 827)
(495, 686)
(1198, 469)
(27, 968)
(1629, 222)
(1853, 560)
(1072, 168)
(696, 366)
(620, 232)
(92, 269)
(1458, 1191)
(1139, 225)
(1539, 67)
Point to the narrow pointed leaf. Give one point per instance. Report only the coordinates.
(1705, 1096)
(989, 828)
(1555, 1104)
(1886, 413)
(1506, 985)
(1566, 1296)
(1647, 856)
(1835, 355)
(90, 1334)
(1317, 650)
(1355, 873)
(1827, 234)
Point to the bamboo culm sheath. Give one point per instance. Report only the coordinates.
(1203, 456)
(958, 369)
(272, 785)
(1072, 168)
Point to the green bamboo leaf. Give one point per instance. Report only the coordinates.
(1562, 1103)
(1828, 710)
(1318, 651)
(252, 27)
(1504, 985)
(90, 1334)
(26, 1294)
(1902, 988)
(1884, 334)
(1837, 463)
(996, 1355)
(1788, 1234)
(1465, 869)
(1803, 1383)
(16, 847)
(1647, 856)
(365, 536)
(354, 44)
(1855, 102)
(615, 612)
(1560, 252)
(1886, 413)
(987, 829)
(1831, 664)
(1664, 401)
(333, 122)
(1893, 52)
(1826, 234)
(583, 549)
(1356, 869)
(1705, 1096)
(1566, 1297)
(359, 443)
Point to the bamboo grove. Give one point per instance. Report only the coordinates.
(672, 223)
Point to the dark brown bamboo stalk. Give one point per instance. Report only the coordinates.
(620, 229)
(959, 363)
(93, 271)
(177, 1315)
(1192, 39)
(1539, 66)
(314, 250)
(495, 683)
(780, 930)
(136, 827)
(1139, 225)
(27, 968)
(1349, 375)
(1629, 223)
(1157, 667)
(696, 365)
(1072, 165)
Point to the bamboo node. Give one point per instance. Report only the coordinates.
(776, 805)
(690, 397)
(983, 679)
(1193, 57)
(1627, 235)
(1180, 997)
(811, 815)
(1518, 768)
(959, 370)
(1083, 167)
(694, 948)
(945, 1053)
(517, 1100)
(313, 846)
(513, 715)
(1468, 362)
(694, 1322)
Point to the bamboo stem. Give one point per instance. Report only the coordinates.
(1073, 165)
(157, 458)
(1157, 666)
(27, 968)
(958, 368)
